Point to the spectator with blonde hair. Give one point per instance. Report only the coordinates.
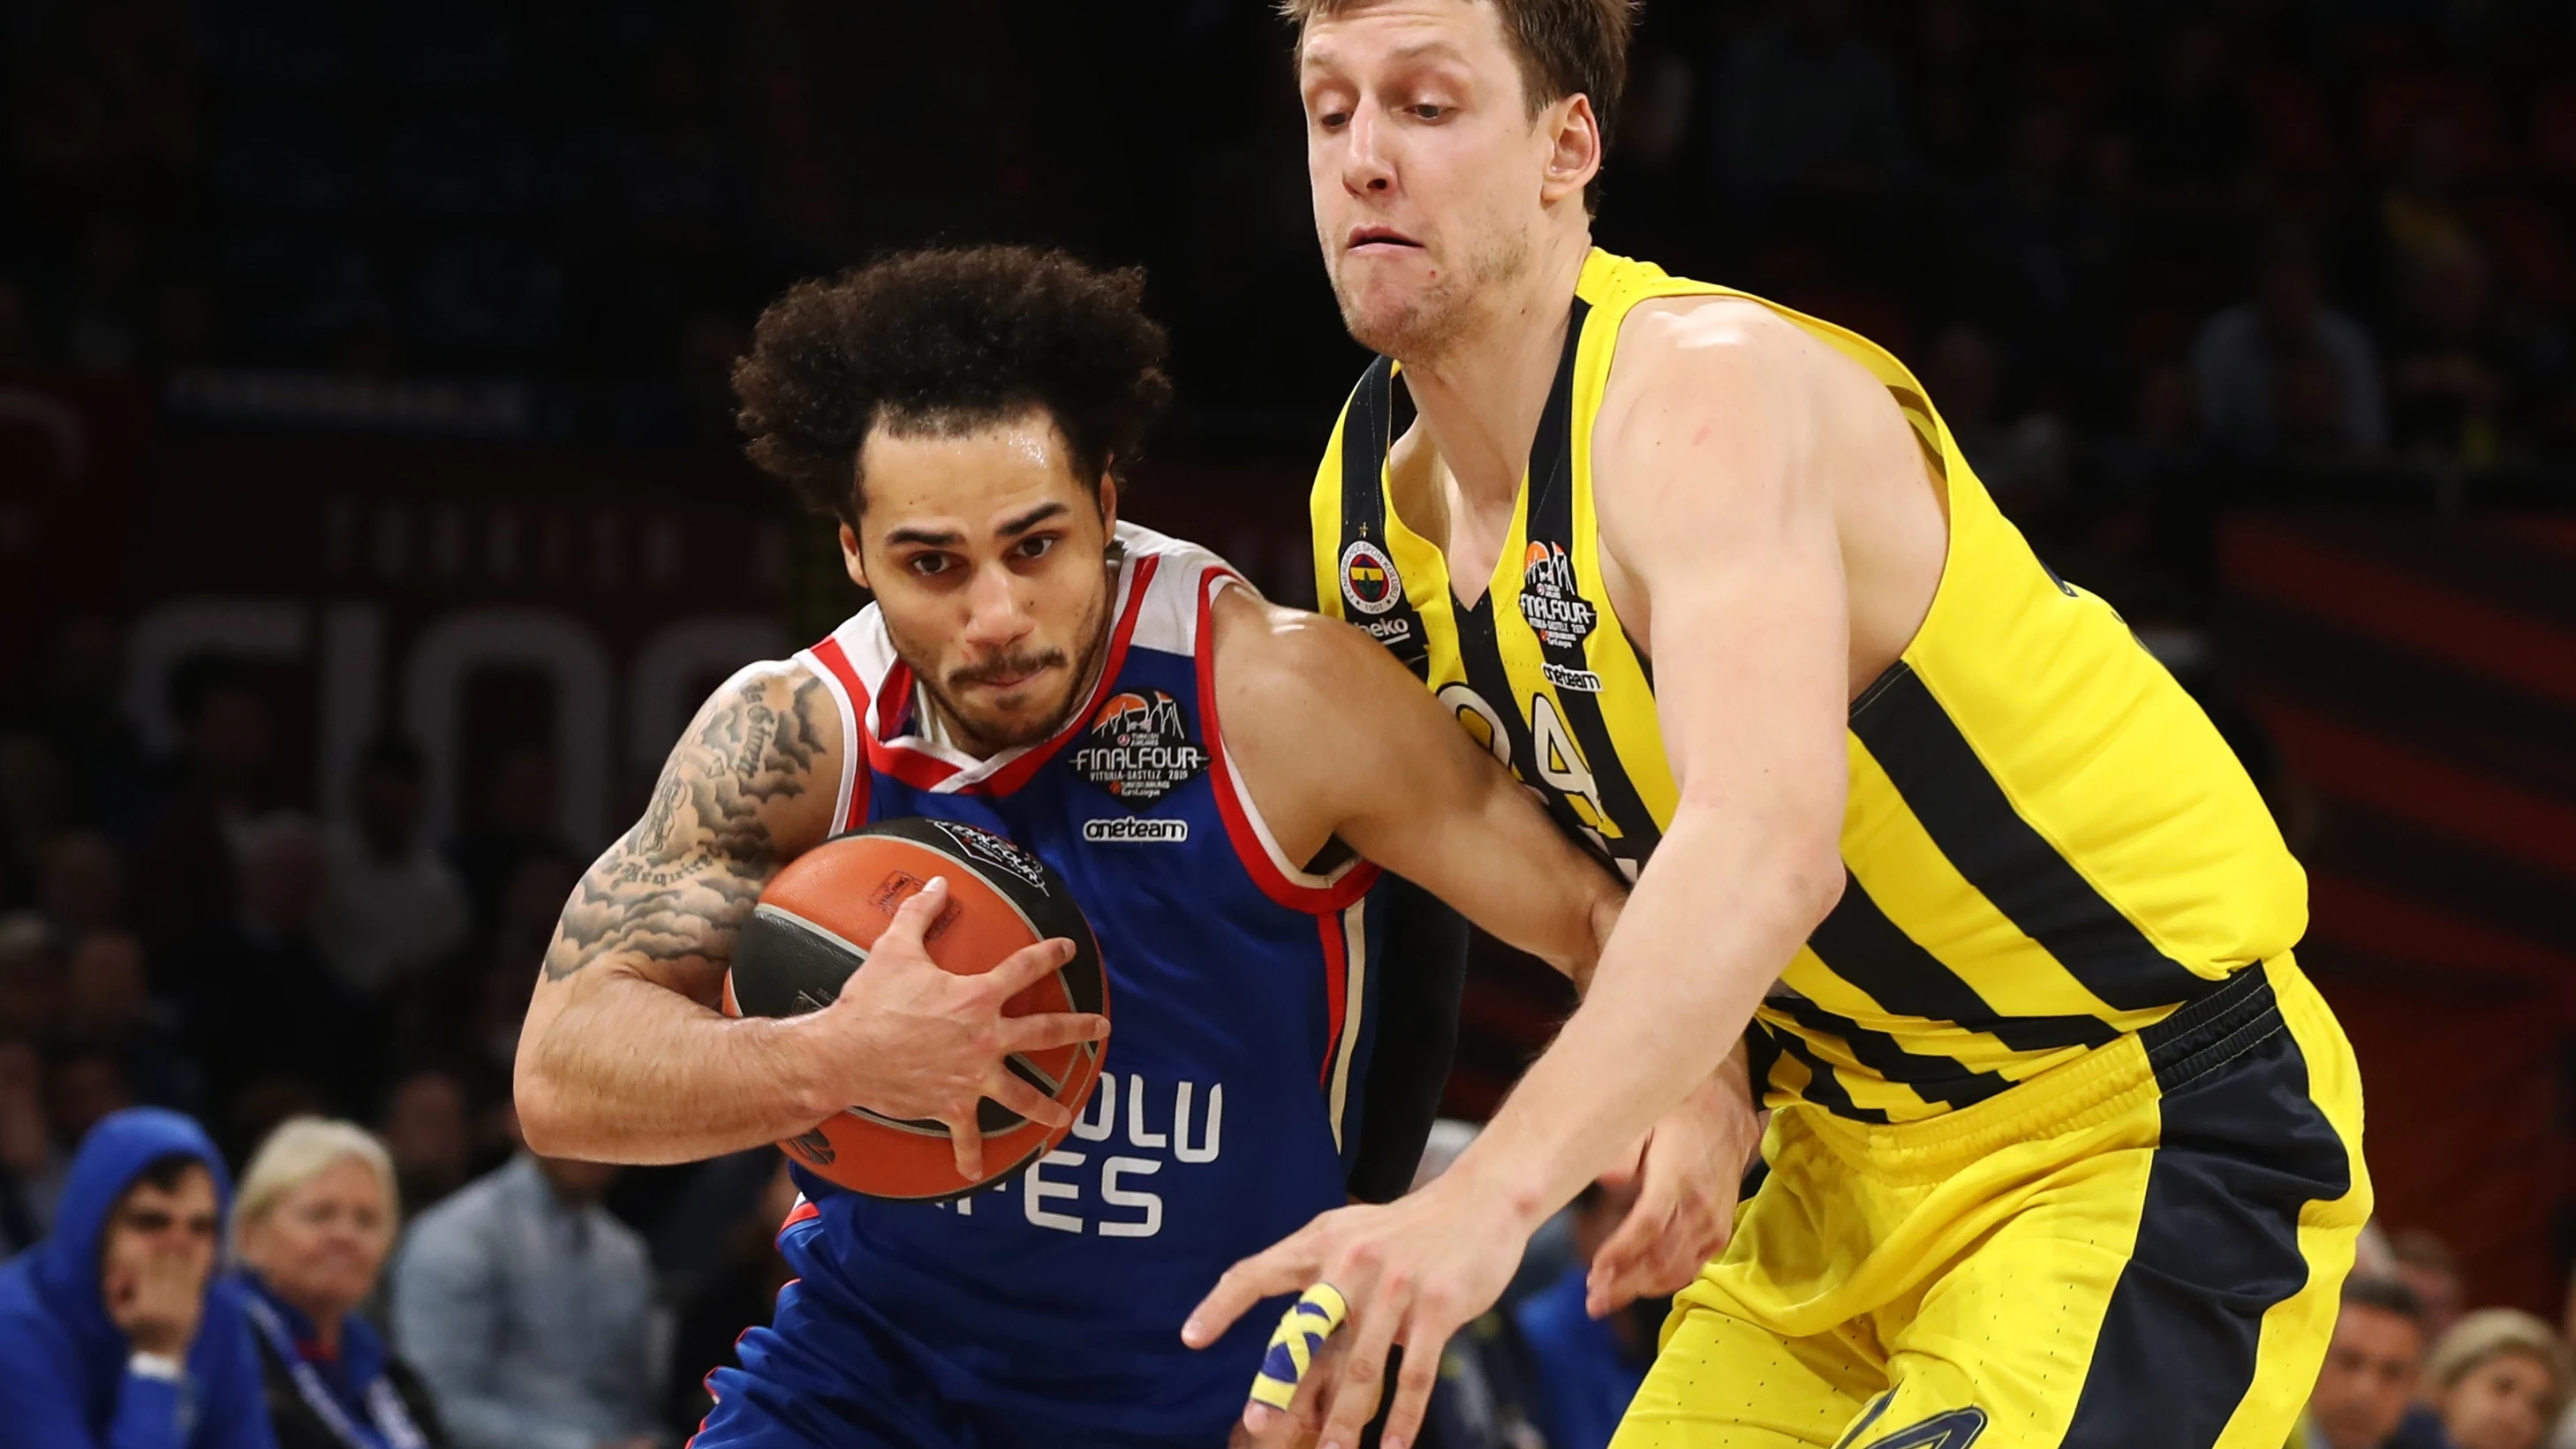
(315, 1218)
(2497, 1379)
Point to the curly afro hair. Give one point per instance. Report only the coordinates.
(945, 340)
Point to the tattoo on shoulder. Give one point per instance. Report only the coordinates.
(680, 883)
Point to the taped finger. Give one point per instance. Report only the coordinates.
(1294, 1344)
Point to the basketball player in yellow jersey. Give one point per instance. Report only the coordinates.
(2064, 1149)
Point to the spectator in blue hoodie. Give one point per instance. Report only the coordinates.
(110, 1335)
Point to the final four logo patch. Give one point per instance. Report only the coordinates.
(1369, 581)
(1139, 748)
(1561, 617)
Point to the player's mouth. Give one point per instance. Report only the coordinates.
(1001, 676)
(1378, 241)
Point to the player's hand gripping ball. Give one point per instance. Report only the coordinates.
(813, 928)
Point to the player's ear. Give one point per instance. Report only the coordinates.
(850, 556)
(1574, 150)
(1108, 501)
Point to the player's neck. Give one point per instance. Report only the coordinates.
(1481, 397)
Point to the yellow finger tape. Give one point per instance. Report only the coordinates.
(1300, 1336)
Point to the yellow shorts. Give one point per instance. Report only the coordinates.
(2141, 1248)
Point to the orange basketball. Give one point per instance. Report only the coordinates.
(813, 927)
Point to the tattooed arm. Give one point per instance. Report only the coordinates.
(625, 1056)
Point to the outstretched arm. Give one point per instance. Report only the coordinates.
(1336, 741)
(625, 1056)
(1722, 519)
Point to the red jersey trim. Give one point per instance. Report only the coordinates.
(924, 772)
(1337, 976)
(1315, 895)
(854, 723)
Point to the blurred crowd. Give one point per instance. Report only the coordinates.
(2128, 247)
(173, 936)
(2117, 239)
(2412, 1366)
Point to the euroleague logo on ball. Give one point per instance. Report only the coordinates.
(1369, 582)
(992, 849)
(1139, 747)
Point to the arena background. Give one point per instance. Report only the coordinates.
(381, 348)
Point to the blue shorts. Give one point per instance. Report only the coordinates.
(832, 1374)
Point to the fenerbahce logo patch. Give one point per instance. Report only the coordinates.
(1139, 749)
(1559, 616)
(1369, 582)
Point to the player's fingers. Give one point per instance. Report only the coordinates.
(1026, 1100)
(1284, 1267)
(1055, 1029)
(1697, 1232)
(1296, 1367)
(1351, 1396)
(1306, 1411)
(1625, 1168)
(966, 1141)
(912, 919)
(1649, 1220)
(1029, 965)
(1423, 1344)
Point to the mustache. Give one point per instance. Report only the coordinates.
(1005, 666)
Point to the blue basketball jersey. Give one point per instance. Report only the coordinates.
(1241, 994)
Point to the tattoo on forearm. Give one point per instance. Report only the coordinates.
(680, 883)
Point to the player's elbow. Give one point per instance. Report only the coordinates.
(549, 1122)
(1811, 878)
(1789, 859)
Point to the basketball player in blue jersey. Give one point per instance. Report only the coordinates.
(2064, 1149)
(1218, 780)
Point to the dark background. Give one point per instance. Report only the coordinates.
(382, 348)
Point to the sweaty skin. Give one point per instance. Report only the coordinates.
(983, 544)
(1771, 539)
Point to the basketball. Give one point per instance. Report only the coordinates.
(813, 928)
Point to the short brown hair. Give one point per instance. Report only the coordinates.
(1564, 48)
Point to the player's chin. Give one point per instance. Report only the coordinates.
(1020, 716)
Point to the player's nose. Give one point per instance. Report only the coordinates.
(997, 611)
(1366, 167)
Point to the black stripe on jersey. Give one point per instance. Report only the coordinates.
(1366, 441)
(1858, 943)
(1927, 436)
(1823, 1087)
(1551, 521)
(1934, 1078)
(1942, 781)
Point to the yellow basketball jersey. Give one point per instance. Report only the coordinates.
(2048, 843)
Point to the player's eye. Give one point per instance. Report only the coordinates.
(1037, 547)
(1428, 111)
(928, 565)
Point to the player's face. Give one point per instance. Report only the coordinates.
(985, 553)
(1430, 177)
